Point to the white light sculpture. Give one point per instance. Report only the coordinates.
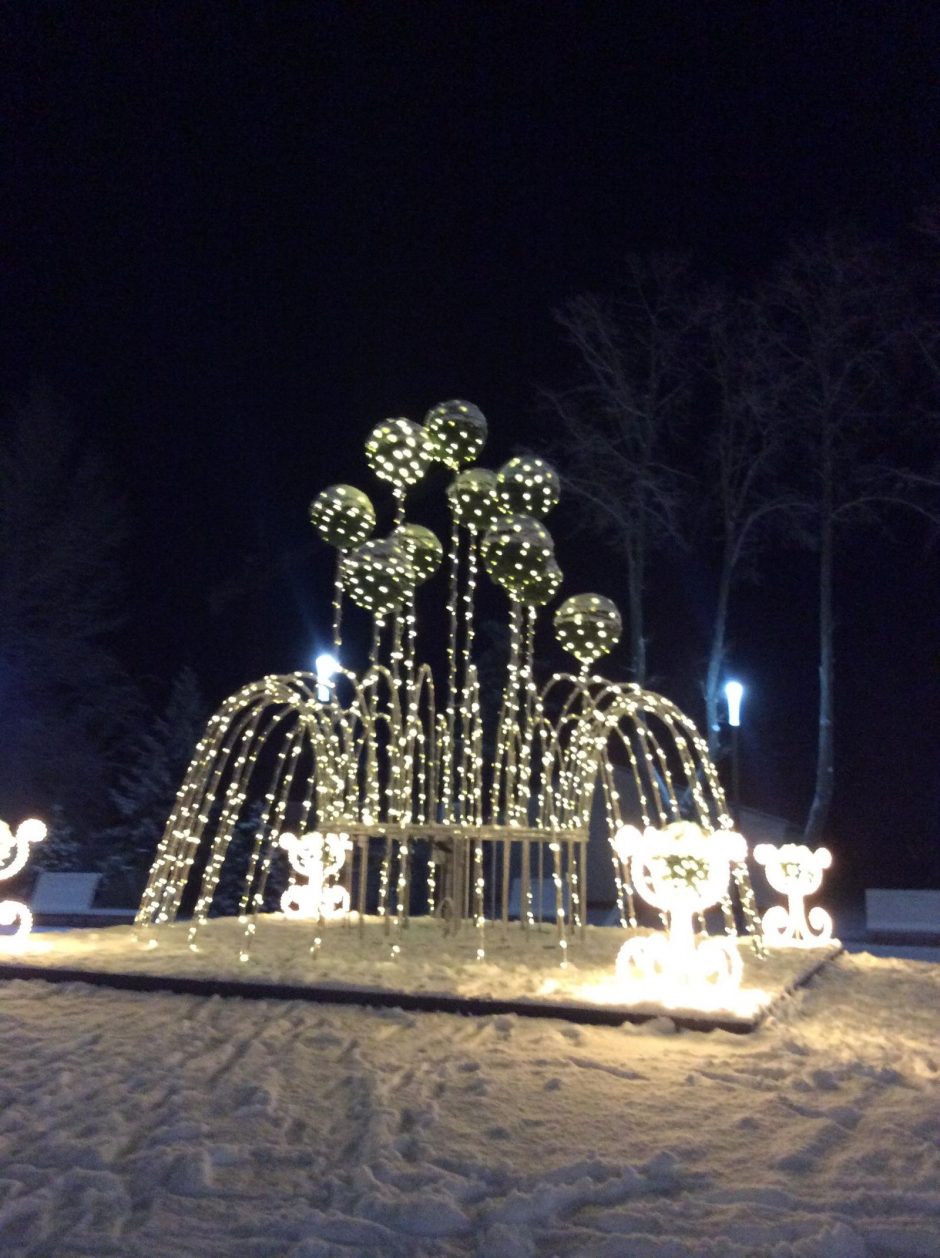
(456, 799)
(14, 853)
(681, 871)
(318, 858)
(796, 872)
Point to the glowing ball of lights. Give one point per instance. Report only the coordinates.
(543, 587)
(473, 498)
(528, 485)
(397, 451)
(379, 575)
(587, 626)
(14, 853)
(456, 432)
(422, 547)
(318, 858)
(517, 550)
(796, 872)
(681, 871)
(343, 516)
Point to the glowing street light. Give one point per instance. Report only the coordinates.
(734, 695)
(327, 666)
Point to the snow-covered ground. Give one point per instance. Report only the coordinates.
(168, 1126)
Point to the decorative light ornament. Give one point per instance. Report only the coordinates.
(379, 575)
(343, 516)
(587, 626)
(456, 432)
(397, 451)
(422, 547)
(796, 872)
(318, 858)
(516, 550)
(473, 498)
(543, 587)
(14, 853)
(681, 871)
(529, 485)
(734, 694)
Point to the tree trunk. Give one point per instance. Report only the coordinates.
(822, 798)
(717, 655)
(635, 576)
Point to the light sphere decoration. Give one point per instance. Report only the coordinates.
(543, 587)
(528, 485)
(343, 516)
(14, 853)
(422, 547)
(397, 451)
(587, 626)
(517, 550)
(318, 859)
(456, 432)
(473, 498)
(379, 575)
(796, 871)
(682, 871)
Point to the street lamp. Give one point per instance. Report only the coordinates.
(734, 695)
(327, 666)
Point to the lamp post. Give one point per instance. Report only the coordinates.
(734, 695)
(327, 666)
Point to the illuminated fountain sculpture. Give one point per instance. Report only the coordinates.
(796, 872)
(14, 853)
(681, 871)
(443, 800)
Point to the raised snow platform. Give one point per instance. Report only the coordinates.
(519, 974)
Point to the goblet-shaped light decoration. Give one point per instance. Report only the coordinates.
(379, 575)
(682, 871)
(587, 626)
(796, 872)
(318, 858)
(543, 587)
(456, 432)
(528, 485)
(473, 498)
(14, 853)
(343, 516)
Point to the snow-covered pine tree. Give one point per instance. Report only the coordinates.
(144, 793)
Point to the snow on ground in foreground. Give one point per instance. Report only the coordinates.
(163, 1126)
(517, 964)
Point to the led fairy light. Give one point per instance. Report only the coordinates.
(796, 871)
(15, 848)
(455, 433)
(528, 485)
(317, 859)
(587, 626)
(388, 759)
(344, 517)
(397, 451)
(682, 871)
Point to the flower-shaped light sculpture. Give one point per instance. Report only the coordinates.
(796, 872)
(681, 871)
(14, 853)
(318, 858)
(455, 432)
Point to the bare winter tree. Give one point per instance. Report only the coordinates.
(744, 488)
(630, 393)
(841, 326)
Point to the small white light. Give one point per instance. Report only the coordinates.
(734, 693)
(327, 666)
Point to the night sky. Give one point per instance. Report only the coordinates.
(238, 235)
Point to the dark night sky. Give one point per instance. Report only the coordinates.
(237, 235)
